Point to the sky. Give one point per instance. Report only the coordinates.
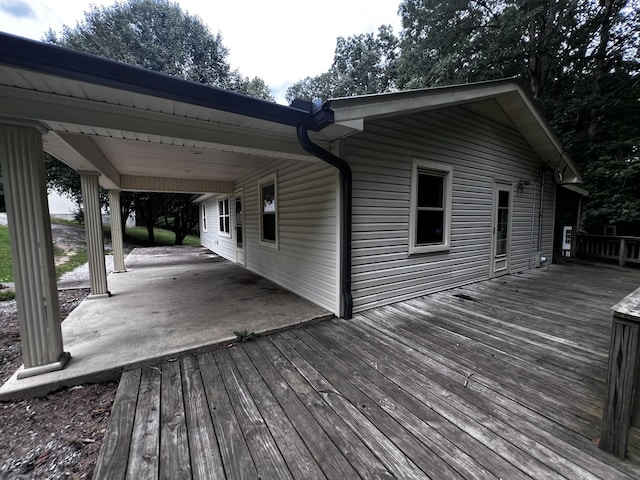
(281, 41)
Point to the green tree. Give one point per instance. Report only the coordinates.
(153, 34)
(180, 214)
(362, 64)
(160, 36)
(580, 60)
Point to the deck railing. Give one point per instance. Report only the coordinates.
(620, 433)
(607, 247)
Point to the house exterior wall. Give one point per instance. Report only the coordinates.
(305, 260)
(482, 152)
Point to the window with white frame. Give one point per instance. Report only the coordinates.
(268, 202)
(203, 207)
(224, 219)
(430, 215)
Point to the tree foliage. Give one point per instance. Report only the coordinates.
(362, 64)
(160, 36)
(579, 58)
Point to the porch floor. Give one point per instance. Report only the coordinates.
(500, 379)
(171, 300)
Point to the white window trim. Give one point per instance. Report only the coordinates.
(418, 165)
(228, 215)
(273, 178)
(203, 205)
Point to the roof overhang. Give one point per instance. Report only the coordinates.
(144, 130)
(351, 114)
(138, 128)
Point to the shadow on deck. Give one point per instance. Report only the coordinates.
(499, 379)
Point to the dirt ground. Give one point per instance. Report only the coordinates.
(58, 436)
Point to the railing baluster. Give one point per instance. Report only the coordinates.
(621, 249)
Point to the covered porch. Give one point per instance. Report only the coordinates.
(170, 301)
(122, 128)
(498, 379)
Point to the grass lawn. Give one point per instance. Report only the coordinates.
(138, 236)
(74, 261)
(6, 273)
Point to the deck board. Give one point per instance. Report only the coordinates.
(499, 379)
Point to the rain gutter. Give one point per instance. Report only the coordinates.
(346, 182)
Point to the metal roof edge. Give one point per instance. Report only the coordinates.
(59, 61)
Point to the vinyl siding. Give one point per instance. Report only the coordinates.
(305, 261)
(481, 152)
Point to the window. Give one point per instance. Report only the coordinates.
(204, 217)
(224, 227)
(268, 201)
(430, 215)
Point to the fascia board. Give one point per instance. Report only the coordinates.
(28, 104)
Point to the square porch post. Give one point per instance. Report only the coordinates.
(22, 161)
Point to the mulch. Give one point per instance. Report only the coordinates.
(57, 436)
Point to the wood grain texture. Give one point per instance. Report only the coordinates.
(175, 463)
(203, 446)
(499, 379)
(114, 454)
(145, 438)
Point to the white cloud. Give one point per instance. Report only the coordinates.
(281, 41)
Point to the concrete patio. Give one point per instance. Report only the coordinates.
(170, 301)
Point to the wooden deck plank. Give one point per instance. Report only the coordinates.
(520, 374)
(175, 462)
(534, 424)
(145, 438)
(264, 450)
(366, 464)
(392, 457)
(205, 457)
(479, 346)
(399, 365)
(329, 457)
(236, 458)
(425, 425)
(114, 454)
(301, 463)
(413, 449)
(498, 379)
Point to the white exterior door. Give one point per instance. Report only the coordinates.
(240, 241)
(501, 249)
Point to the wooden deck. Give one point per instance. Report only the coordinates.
(499, 379)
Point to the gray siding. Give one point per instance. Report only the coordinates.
(481, 152)
(306, 260)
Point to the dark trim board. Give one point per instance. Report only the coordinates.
(500, 379)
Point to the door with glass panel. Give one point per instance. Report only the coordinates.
(240, 248)
(501, 229)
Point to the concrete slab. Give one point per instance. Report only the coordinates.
(170, 301)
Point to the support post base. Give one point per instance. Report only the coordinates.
(96, 296)
(40, 369)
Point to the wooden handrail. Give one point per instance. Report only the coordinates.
(624, 249)
(622, 399)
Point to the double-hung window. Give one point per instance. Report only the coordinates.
(430, 215)
(268, 202)
(224, 226)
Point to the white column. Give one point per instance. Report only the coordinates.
(23, 172)
(94, 236)
(116, 231)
